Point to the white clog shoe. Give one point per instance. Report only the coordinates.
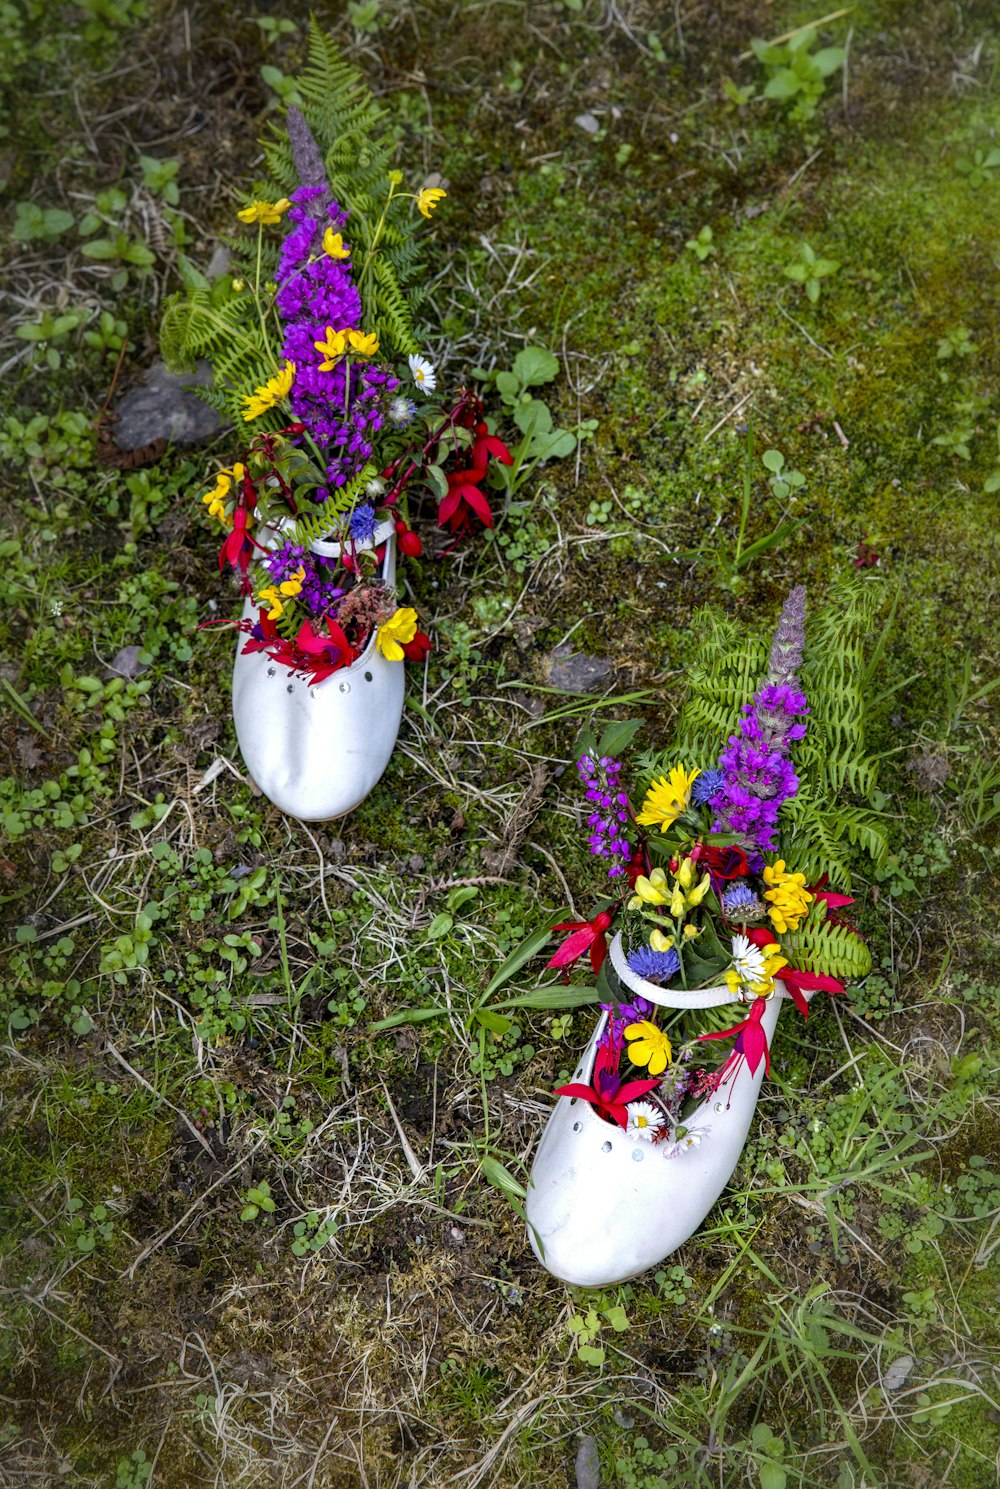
(603, 1206)
(317, 750)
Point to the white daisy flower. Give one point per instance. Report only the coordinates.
(748, 960)
(644, 1120)
(423, 373)
(686, 1138)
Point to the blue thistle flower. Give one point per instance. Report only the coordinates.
(739, 903)
(706, 784)
(654, 966)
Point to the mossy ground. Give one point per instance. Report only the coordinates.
(181, 930)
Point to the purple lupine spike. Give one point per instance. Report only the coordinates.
(610, 818)
(757, 775)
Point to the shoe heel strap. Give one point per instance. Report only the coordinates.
(668, 997)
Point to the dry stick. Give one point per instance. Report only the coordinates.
(415, 1167)
(155, 1245)
(14, 1292)
(200, 1137)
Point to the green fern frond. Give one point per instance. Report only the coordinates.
(318, 524)
(820, 945)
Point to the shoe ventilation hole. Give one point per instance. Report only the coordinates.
(605, 1147)
(368, 677)
(577, 1126)
(719, 1107)
(637, 1155)
(345, 687)
(290, 688)
(271, 671)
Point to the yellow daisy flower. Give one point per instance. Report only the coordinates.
(264, 398)
(667, 798)
(649, 1046)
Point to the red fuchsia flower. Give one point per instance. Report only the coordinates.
(722, 863)
(349, 561)
(464, 497)
(751, 1043)
(607, 1094)
(485, 444)
(588, 935)
(409, 542)
(417, 649)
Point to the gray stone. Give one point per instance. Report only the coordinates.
(218, 264)
(126, 662)
(587, 123)
(576, 672)
(588, 1465)
(163, 407)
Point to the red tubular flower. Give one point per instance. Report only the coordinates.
(328, 653)
(464, 496)
(417, 649)
(238, 547)
(751, 1042)
(486, 444)
(588, 935)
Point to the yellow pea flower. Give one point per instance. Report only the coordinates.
(334, 245)
(293, 584)
(649, 1046)
(428, 199)
(267, 213)
(269, 597)
(667, 798)
(395, 632)
(697, 894)
(685, 873)
(788, 897)
(677, 902)
(652, 891)
(659, 942)
(364, 345)
(215, 499)
(333, 348)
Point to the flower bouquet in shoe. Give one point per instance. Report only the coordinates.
(726, 887)
(316, 363)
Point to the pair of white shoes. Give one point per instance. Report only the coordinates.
(603, 1206)
(317, 749)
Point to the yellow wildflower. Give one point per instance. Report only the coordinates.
(649, 1046)
(263, 399)
(690, 931)
(651, 891)
(396, 178)
(697, 894)
(270, 597)
(215, 500)
(677, 902)
(667, 798)
(394, 633)
(788, 896)
(267, 213)
(334, 245)
(659, 942)
(428, 199)
(333, 348)
(364, 345)
(293, 583)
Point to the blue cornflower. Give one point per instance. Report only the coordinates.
(706, 784)
(362, 524)
(654, 966)
(740, 903)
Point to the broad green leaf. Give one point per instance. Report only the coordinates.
(534, 365)
(773, 459)
(439, 926)
(591, 1354)
(501, 1178)
(772, 1476)
(618, 736)
(495, 1023)
(407, 1016)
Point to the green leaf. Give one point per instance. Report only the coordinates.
(407, 1016)
(521, 955)
(773, 460)
(501, 1178)
(617, 1318)
(591, 1354)
(495, 1023)
(439, 926)
(534, 366)
(772, 1476)
(461, 896)
(783, 85)
(618, 736)
(555, 997)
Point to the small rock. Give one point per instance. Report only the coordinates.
(126, 663)
(163, 407)
(576, 672)
(588, 1465)
(218, 264)
(895, 1377)
(587, 123)
(457, 1235)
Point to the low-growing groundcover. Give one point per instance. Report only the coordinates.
(250, 1239)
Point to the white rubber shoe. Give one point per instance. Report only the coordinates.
(317, 750)
(603, 1206)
